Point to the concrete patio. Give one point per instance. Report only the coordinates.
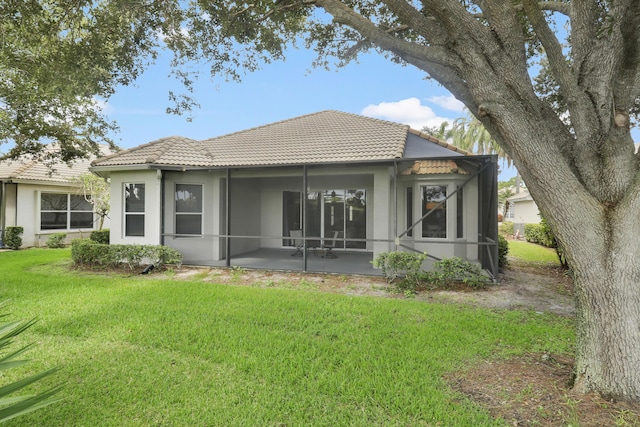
(345, 262)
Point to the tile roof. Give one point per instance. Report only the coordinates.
(522, 196)
(426, 167)
(27, 168)
(323, 137)
(173, 150)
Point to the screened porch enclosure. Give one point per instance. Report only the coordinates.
(274, 223)
(334, 218)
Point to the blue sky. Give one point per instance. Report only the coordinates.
(374, 87)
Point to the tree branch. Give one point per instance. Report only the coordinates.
(556, 6)
(627, 82)
(552, 47)
(428, 28)
(347, 16)
(506, 25)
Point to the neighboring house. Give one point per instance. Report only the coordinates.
(349, 186)
(522, 210)
(42, 198)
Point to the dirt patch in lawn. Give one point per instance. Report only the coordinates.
(533, 390)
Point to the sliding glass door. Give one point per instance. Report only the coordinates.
(331, 213)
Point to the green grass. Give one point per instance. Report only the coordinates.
(529, 253)
(147, 350)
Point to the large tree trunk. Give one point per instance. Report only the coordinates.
(603, 250)
(607, 290)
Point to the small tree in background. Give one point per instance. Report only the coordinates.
(96, 191)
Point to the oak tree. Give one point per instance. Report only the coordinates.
(568, 130)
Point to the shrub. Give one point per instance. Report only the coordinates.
(12, 238)
(56, 240)
(542, 234)
(503, 250)
(88, 253)
(455, 270)
(398, 264)
(539, 234)
(100, 236)
(506, 228)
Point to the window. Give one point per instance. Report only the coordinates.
(188, 199)
(459, 213)
(433, 202)
(409, 210)
(64, 212)
(509, 215)
(134, 209)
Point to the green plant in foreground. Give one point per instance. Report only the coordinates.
(13, 406)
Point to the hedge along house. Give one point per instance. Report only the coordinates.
(41, 196)
(324, 192)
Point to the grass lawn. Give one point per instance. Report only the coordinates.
(147, 350)
(521, 252)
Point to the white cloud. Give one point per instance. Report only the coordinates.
(448, 103)
(408, 111)
(103, 106)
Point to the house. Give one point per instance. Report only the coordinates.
(41, 197)
(521, 210)
(348, 187)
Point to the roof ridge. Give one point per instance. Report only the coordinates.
(266, 125)
(161, 148)
(304, 116)
(199, 146)
(439, 142)
(138, 148)
(26, 165)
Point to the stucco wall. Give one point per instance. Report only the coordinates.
(203, 248)
(23, 209)
(451, 246)
(525, 212)
(152, 181)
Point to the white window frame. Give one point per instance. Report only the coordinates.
(126, 213)
(447, 206)
(68, 211)
(177, 214)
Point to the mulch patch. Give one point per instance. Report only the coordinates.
(534, 390)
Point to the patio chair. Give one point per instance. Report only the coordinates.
(328, 246)
(297, 241)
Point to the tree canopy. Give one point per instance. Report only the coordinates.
(58, 61)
